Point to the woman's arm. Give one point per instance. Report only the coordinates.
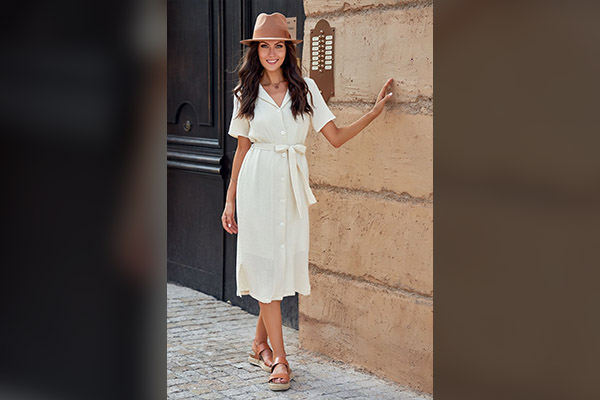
(338, 136)
(242, 148)
(229, 211)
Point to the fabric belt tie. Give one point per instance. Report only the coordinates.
(297, 176)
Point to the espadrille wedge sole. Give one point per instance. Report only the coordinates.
(256, 359)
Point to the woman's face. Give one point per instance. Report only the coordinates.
(271, 54)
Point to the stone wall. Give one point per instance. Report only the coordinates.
(371, 261)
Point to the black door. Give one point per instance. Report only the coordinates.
(203, 50)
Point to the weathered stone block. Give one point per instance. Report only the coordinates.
(393, 153)
(386, 332)
(382, 241)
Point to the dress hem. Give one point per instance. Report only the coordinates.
(248, 293)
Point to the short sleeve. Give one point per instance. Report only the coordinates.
(238, 126)
(321, 112)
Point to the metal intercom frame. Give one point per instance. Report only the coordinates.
(321, 57)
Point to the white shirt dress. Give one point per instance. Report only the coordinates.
(273, 196)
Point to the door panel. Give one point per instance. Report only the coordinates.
(203, 51)
(192, 57)
(195, 257)
(195, 153)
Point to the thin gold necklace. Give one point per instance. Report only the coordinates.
(276, 84)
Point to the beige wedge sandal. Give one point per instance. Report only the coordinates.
(284, 375)
(256, 359)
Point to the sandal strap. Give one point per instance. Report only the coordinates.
(259, 348)
(280, 360)
(281, 375)
(262, 346)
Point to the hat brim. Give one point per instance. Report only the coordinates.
(248, 41)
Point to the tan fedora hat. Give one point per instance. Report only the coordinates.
(270, 27)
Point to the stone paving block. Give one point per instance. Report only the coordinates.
(213, 396)
(208, 360)
(234, 391)
(181, 395)
(175, 382)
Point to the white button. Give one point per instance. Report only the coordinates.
(282, 245)
(283, 132)
(278, 110)
(284, 155)
(282, 200)
(282, 179)
(281, 223)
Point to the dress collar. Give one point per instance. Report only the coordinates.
(263, 94)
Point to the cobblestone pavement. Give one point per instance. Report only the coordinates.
(208, 346)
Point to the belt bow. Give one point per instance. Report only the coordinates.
(297, 176)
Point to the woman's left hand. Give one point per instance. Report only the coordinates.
(383, 97)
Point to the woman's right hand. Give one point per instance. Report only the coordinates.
(228, 218)
(382, 98)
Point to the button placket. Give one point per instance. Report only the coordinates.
(283, 208)
(282, 130)
(283, 196)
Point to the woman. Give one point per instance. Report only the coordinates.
(273, 108)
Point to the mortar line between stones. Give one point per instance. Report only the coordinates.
(370, 8)
(420, 106)
(404, 290)
(382, 194)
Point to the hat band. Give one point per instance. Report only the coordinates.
(271, 33)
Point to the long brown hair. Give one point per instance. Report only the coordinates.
(250, 71)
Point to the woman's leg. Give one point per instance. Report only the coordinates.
(261, 336)
(271, 315)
